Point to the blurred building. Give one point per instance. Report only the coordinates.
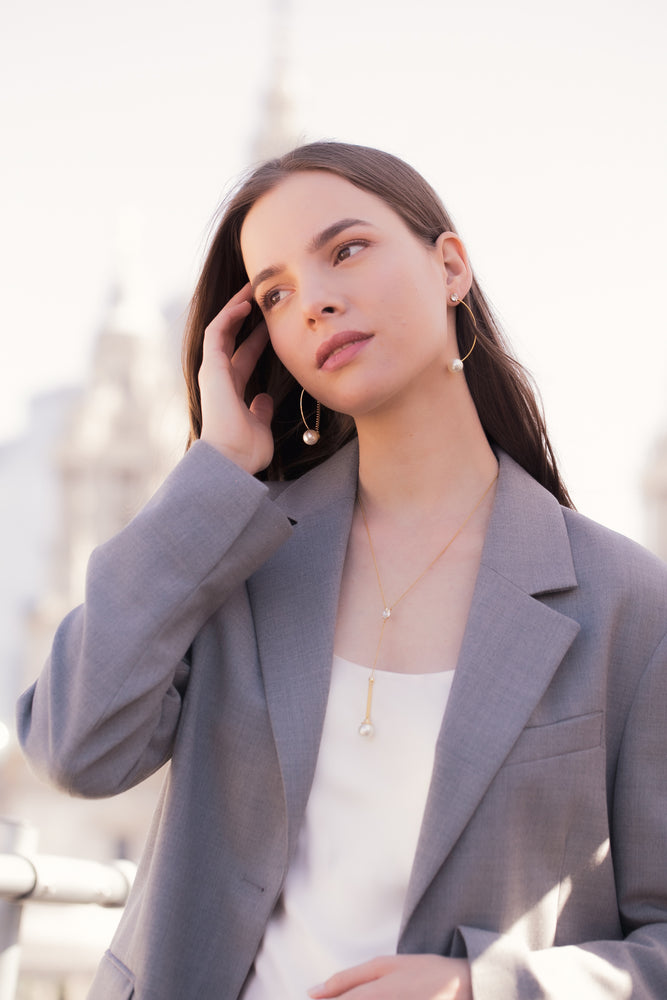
(121, 435)
(90, 458)
(655, 498)
(93, 456)
(29, 519)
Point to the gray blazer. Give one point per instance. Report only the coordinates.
(207, 638)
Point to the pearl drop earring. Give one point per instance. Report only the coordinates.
(456, 364)
(310, 436)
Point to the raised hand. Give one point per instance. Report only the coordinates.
(242, 434)
(400, 977)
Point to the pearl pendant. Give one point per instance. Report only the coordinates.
(386, 614)
(366, 728)
(456, 365)
(310, 436)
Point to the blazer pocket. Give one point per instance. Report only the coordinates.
(113, 980)
(581, 732)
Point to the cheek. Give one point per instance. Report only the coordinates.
(283, 344)
(416, 294)
(432, 306)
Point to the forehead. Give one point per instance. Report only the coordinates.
(304, 204)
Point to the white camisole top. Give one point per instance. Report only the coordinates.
(343, 897)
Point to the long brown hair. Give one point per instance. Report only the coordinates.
(502, 390)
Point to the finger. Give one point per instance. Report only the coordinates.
(221, 332)
(348, 979)
(248, 353)
(262, 408)
(244, 292)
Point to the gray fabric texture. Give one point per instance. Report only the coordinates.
(206, 639)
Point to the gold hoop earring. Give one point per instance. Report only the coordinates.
(310, 436)
(456, 364)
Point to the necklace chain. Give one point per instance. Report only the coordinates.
(367, 728)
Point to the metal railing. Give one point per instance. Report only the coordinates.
(26, 876)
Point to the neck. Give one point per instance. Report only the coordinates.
(412, 462)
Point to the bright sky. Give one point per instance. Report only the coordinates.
(541, 125)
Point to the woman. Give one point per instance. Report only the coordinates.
(414, 704)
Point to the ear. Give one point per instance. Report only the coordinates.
(456, 269)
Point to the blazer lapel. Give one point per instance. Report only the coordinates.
(512, 646)
(295, 594)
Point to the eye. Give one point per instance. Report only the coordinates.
(348, 250)
(272, 298)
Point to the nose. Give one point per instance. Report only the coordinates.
(313, 315)
(320, 300)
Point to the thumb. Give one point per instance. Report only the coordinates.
(262, 408)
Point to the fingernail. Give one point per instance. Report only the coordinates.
(314, 990)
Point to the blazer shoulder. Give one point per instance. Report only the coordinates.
(604, 546)
(623, 571)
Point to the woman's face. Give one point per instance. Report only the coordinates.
(355, 303)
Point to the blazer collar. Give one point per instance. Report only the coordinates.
(294, 596)
(527, 540)
(325, 486)
(513, 645)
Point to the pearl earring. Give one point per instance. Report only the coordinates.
(456, 364)
(310, 436)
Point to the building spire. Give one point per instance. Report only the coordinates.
(276, 132)
(134, 308)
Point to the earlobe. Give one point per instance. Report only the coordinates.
(456, 269)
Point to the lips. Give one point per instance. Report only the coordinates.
(337, 344)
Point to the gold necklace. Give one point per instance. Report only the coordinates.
(367, 728)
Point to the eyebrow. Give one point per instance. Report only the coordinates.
(317, 243)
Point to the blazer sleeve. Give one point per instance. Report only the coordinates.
(103, 713)
(504, 969)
